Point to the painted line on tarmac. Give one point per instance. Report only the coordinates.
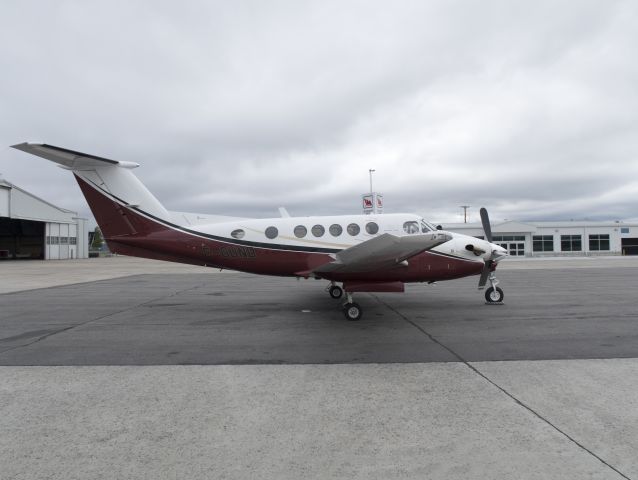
(502, 389)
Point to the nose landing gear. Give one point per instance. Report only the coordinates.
(494, 294)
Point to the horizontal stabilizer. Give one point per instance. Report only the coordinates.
(70, 158)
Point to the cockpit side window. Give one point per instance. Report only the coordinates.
(411, 227)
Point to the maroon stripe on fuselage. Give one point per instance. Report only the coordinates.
(129, 232)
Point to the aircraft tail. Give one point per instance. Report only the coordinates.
(110, 188)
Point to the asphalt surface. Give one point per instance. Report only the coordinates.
(182, 319)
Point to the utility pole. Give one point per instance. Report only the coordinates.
(465, 207)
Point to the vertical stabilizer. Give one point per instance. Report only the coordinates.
(111, 177)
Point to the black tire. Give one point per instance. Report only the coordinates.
(335, 292)
(352, 311)
(494, 296)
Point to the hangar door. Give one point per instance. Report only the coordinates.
(21, 238)
(630, 246)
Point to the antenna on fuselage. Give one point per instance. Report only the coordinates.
(283, 212)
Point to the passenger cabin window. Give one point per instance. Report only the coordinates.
(272, 232)
(238, 234)
(353, 229)
(300, 231)
(335, 230)
(318, 230)
(372, 228)
(411, 227)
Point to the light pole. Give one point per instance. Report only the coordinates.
(371, 171)
(465, 207)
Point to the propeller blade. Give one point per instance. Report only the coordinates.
(484, 274)
(485, 219)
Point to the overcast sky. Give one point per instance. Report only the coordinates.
(238, 107)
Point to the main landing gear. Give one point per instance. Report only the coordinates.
(335, 291)
(494, 294)
(351, 310)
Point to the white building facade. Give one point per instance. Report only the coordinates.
(34, 228)
(573, 238)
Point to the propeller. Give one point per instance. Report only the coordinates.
(485, 220)
(487, 268)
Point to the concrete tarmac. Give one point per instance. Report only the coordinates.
(98, 380)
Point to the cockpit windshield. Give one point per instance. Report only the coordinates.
(427, 226)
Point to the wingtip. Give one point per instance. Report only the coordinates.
(23, 145)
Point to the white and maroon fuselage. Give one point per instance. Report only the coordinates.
(287, 246)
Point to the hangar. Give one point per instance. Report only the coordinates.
(551, 239)
(34, 228)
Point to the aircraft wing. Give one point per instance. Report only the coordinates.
(384, 251)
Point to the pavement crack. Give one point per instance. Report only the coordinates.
(71, 327)
(502, 389)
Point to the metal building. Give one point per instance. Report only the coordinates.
(573, 238)
(34, 228)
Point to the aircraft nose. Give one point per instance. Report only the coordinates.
(498, 252)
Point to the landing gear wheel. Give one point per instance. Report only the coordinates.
(494, 295)
(352, 311)
(335, 291)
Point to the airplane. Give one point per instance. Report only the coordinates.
(355, 253)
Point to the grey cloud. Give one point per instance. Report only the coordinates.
(528, 108)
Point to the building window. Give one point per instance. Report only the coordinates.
(598, 242)
(372, 228)
(318, 230)
(543, 243)
(353, 229)
(64, 240)
(238, 234)
(411, 227)
(508, 238)
(335, 230)
(624, 229)
(272, 232)
(73, 240)
(571, 243)
(300, 231)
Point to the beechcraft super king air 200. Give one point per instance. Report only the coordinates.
(355, 253)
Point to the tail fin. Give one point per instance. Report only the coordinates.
(108, 186)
